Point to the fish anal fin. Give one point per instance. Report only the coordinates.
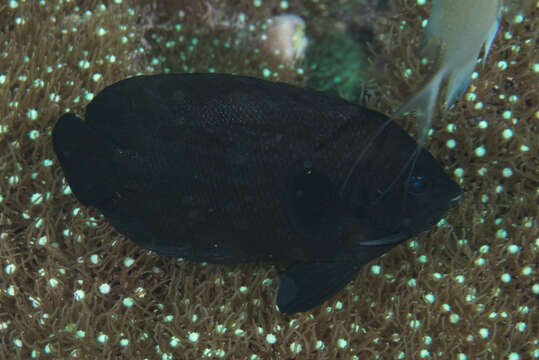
(491, 35)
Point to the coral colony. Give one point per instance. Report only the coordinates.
(71, 287)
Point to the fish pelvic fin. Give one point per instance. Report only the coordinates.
(307, 285)
(423, 104)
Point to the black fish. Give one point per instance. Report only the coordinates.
(231, 169)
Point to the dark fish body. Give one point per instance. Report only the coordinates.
(230, 169)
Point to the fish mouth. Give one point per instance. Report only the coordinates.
(454, 202)
(388, 240)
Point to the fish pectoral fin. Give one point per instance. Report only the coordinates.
(459, 80)
(430, 47)
(307, 285)
(431, 38)
(312, 204)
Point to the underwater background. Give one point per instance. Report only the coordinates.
(72, 287)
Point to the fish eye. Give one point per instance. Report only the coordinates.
(416, 184)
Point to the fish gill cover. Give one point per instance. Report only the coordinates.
(70, 286)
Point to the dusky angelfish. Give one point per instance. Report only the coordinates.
(231, 169)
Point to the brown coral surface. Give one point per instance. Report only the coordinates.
(72, 287)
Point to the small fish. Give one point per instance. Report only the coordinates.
(456, 31)
(232, 169)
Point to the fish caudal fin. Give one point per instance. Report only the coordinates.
(86, 158)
